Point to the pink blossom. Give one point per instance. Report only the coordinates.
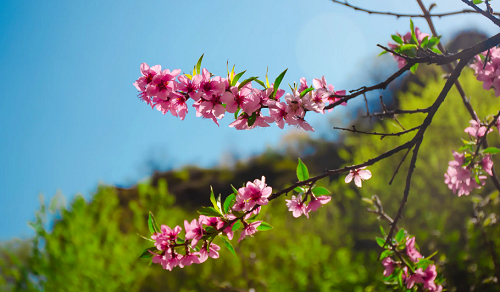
(297, 206)
(359, 175)
(167, 235)
(255, 193)
(487, 164)
(332, 99)
(190, 87)
(301, 122)
(240, 204)
(209, 86)
(163, 84)
(476, 130)
(212, 252)
(303, 84)
(215, 222)
(242, 98)
(188, 260)
(411, 250)
(249, 229)
(489, 74)
(194, 231)
(415, 278)
(459, 178)
(407, 40)
(147, 76)
(317, 202)
(430, 275)
(169, 260)
(294, 103)
(314, 101)
(178, 105)
(389, 265)
(279, 112)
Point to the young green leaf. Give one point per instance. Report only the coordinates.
(237, 77)
(146, 253)
(299, 190)
(383, 52)
(380, 241)
(477, 1)
(212, 198)
(148, 239)
(219, 203)
(153, 227)
(491, 150)
(252, 119)
(229, 202)
(277, 82)
(319, 191)
(198, 65)
(302, 172)
(382, 229)
(228, 245)
(236, 226)
(305, 91)
(209, 212)
(236, 113)
(413, 36)
(397, 39)
(264, 226)
(386, 253)
(244, 82)
(400, 235)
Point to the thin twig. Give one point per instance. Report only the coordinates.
(485, 13)
(398, 111)
(404, 14)
(399, 165)
(383, 135)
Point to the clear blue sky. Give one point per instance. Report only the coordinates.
(70, 117)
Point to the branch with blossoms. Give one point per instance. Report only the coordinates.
(215, 96)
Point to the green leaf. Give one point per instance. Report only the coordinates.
(153, 227)
(246, 81)
(477, 1)
(212, 198)
(380, 241)
(277, 83)
(433, 41)
(425, 42)
(229, 202)
(433, 254)
(209, 212)
(368, 201)
(400, 235)
(198, 65)
(477, 179)
(467, 161)
(424, 263)
(400, 278)
(413, 68)
(264, 226)
(210, 229)
(146, 254)
(148, 239)
(252, 119)
(437, 51)
(466, 147)
(413, 36)
(406, 47)
(228, 245)
(386, 253)
(260, 82)
(305, 91)
(397, 39)
(180, 240)
(302, 172)
(235, 191)
(299, 190)
(237, 77)
(236, 113)
(319, 191)
(491, 150)
(236, 226)
(219, 203)
(383, 52)
(382, 229)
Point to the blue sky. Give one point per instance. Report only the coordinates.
(70, 118)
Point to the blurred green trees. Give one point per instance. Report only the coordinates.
(94, 246)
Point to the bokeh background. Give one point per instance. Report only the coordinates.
(81, 130)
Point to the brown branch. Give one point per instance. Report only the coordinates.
(419, 137)
(399, 165)
(397, 112)
(383, 135)
(485, 13)
(404, 14)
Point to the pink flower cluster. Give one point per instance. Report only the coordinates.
(489, 74)
(166, 241)
(459, 178)
(213, 96)
(298, 206)
(464, 178)
(406, 40)
(248, 201)
(426, 277)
